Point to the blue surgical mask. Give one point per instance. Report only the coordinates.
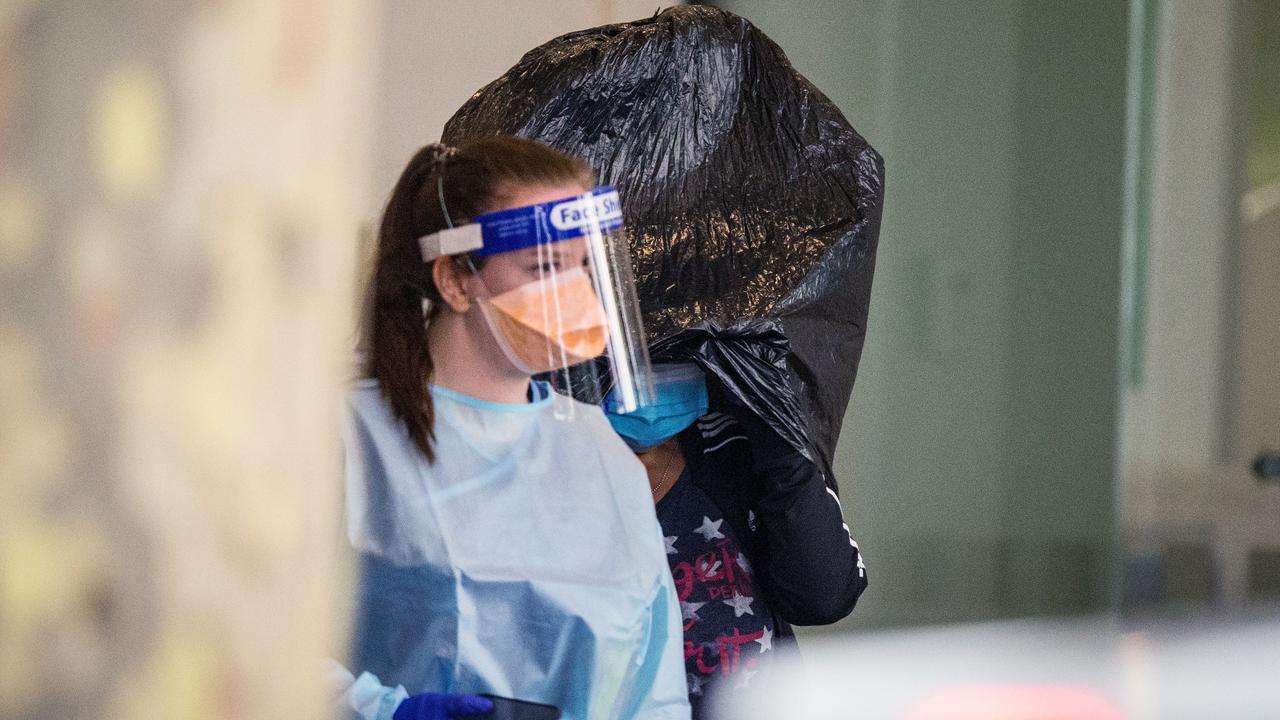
(681, 398)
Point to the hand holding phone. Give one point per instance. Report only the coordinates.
(441, 706)
(512, 709)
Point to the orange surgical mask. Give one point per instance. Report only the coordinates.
(548, 324)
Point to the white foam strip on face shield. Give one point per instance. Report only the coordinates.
(451, 241)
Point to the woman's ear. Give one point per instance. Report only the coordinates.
(451, 280)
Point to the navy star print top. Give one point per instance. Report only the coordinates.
(728, 628)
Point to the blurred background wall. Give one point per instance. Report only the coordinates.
(1072, 361)
(180, 183)
(437, 53)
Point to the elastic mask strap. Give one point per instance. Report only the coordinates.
(440, 194)
(444, 210)
(475, 271)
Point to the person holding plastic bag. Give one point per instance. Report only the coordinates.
(755, 212)
(506, 542)
(755, 539)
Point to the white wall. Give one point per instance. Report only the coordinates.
(439, 52)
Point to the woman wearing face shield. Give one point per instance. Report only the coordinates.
(506, 542)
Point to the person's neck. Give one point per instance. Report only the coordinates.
(466, 361)
(663, 464)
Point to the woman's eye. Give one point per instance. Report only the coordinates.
(547, 267)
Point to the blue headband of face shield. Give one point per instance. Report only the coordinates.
(681, 398)
(505, 230)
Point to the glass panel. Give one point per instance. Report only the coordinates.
(1199, 522)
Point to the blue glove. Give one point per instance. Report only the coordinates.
(441, 706)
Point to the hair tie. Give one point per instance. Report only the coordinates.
(439, 153)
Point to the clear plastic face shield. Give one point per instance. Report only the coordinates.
(558, 294)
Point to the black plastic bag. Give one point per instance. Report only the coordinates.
(746, 364)
(747, 193)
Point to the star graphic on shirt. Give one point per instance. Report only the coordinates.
(766, 641)
(744, 678)
(695, 684)
(741, 605)
(671, 543)
(751, 520)
(710, 530)
(742, 563)
(689, 610)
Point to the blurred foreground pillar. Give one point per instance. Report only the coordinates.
(180, 189)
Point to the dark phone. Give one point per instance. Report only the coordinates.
(511, 709)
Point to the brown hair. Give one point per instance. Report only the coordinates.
(474, 177)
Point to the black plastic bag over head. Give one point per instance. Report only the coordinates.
(747, 193)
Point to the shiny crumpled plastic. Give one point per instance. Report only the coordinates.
(746, 365)
(747, 193)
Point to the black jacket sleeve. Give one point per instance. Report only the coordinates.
(800, 548)
(812, 565)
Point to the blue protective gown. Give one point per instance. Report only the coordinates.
(526, 562)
